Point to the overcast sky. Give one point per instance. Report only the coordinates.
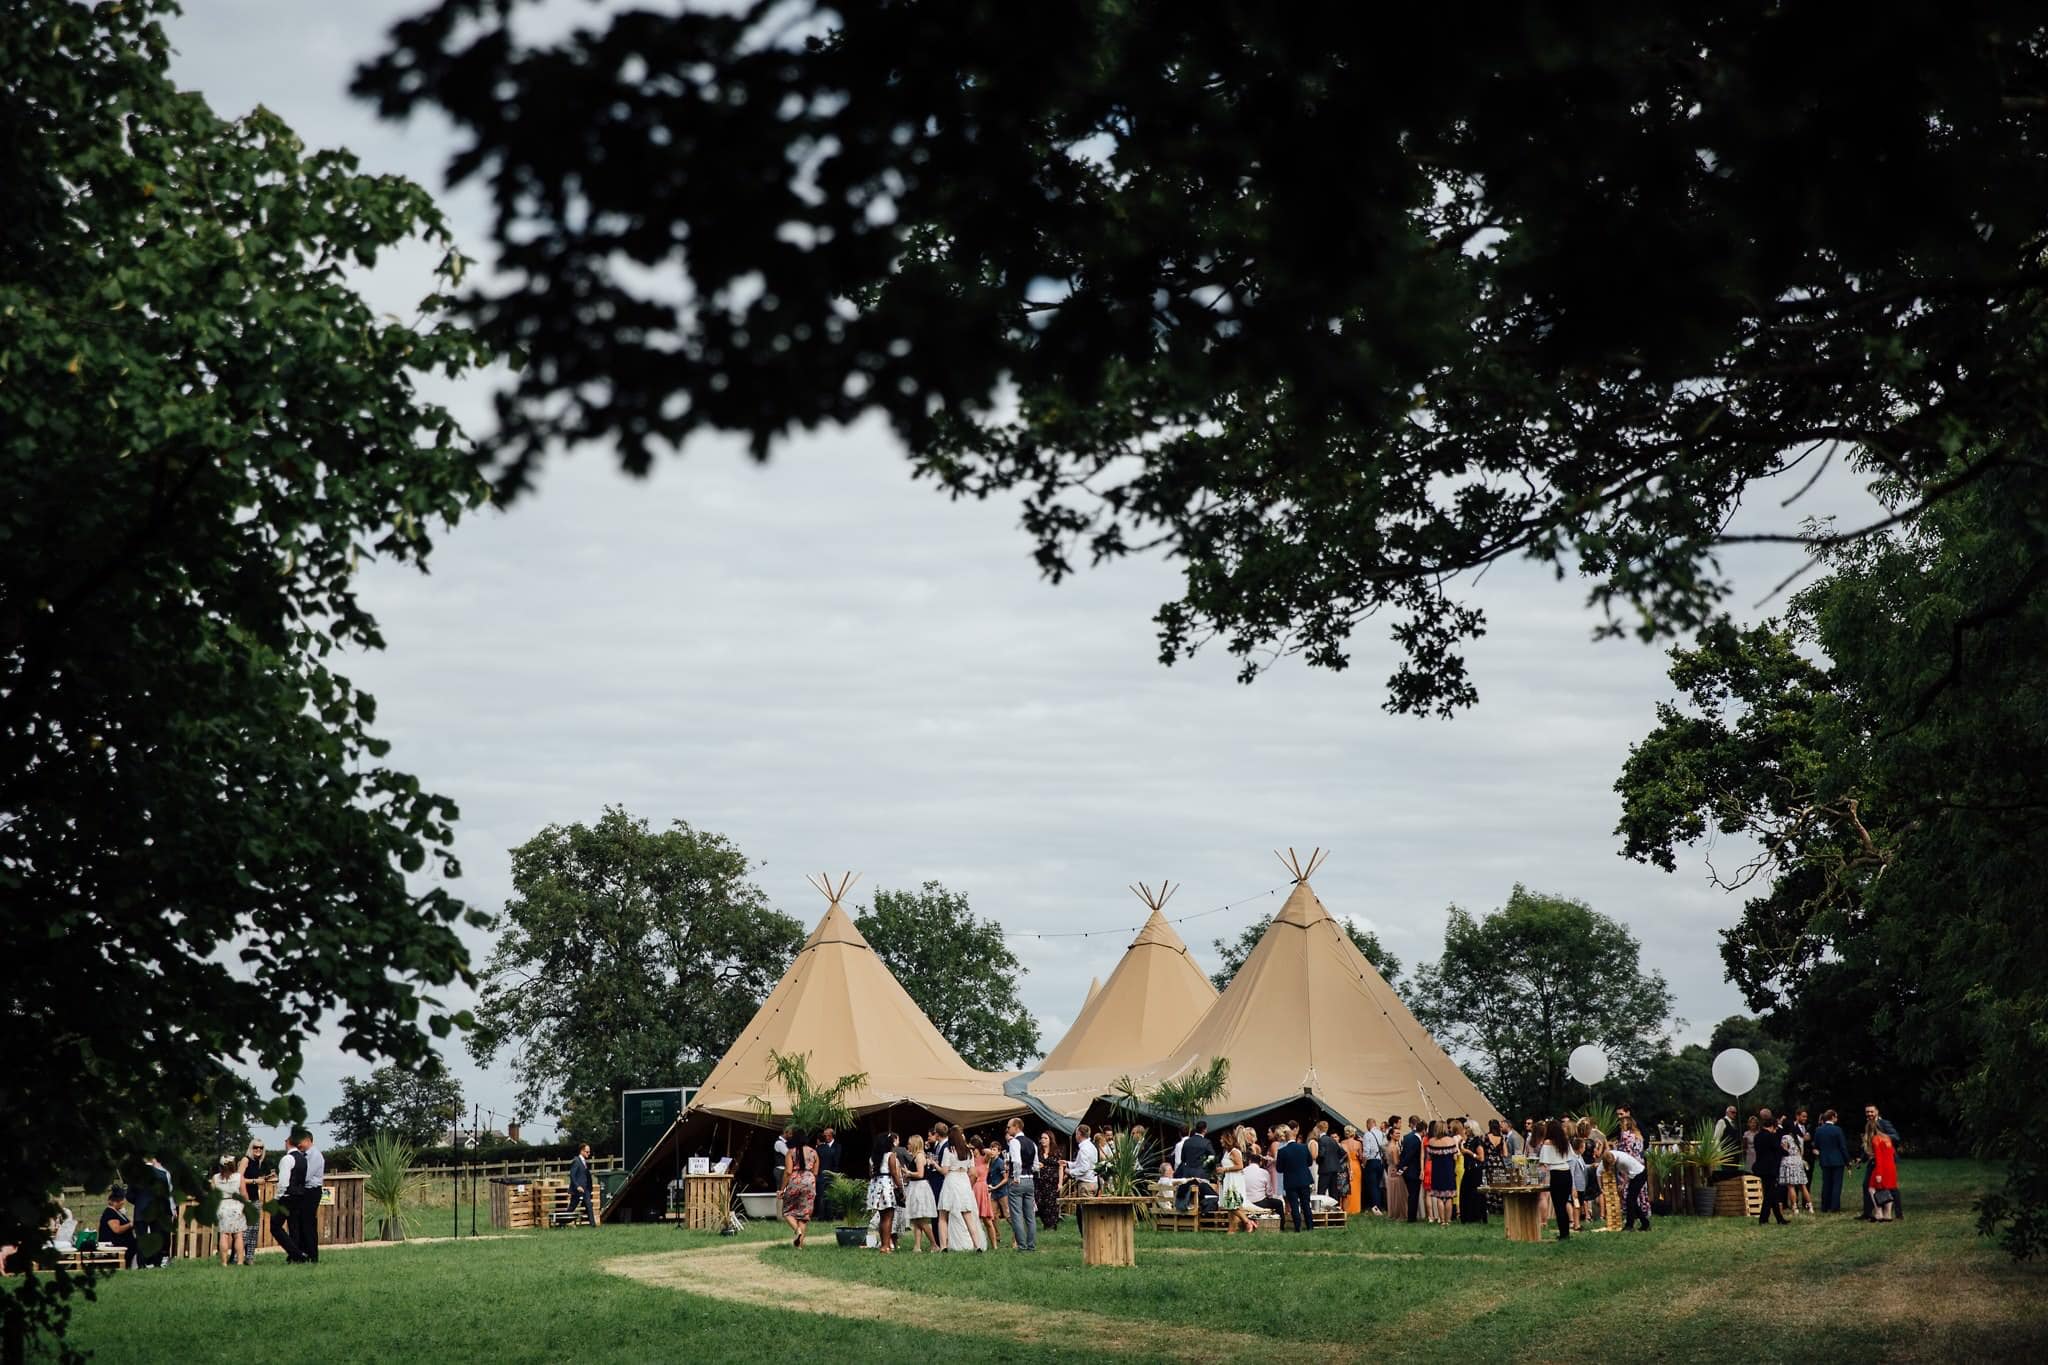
(841, 670)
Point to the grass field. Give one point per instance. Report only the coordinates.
(1724, 1289)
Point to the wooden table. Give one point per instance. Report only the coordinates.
(706, 1201)
(1109, 1228)
(1523, 1208)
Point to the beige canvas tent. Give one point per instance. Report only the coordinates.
(1306, 1021)
(1094, 985)
(1155, 995)
(839, 1004)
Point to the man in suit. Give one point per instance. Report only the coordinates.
(310, 1171)
(1884, 1125)
(289, 1182)
(155, 1213)
(1191, 1168)
(1831, 1154)
(1411, 1166)
(829, 1156)
(1728, 1132)
(1297, 1178)
(579, 1185)
(1770, 1163)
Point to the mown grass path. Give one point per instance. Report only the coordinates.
(738, 1274)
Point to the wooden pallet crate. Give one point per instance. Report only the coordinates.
(1742, 1197)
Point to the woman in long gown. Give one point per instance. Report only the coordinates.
(956, 1201)
(1496, 1162)
(984, 1202)
(1471, 1203)
(1048, 1187)
(1397, 1184)
(1354, 1198)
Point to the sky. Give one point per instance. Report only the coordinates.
(841, 670)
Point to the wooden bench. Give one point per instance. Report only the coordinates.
(1173, 1220)
(99, 1258)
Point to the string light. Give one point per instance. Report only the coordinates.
(1171, 919)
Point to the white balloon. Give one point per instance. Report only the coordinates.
(1735, 1071)
(1587, 1064)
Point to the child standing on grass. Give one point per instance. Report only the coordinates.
(991, 1179)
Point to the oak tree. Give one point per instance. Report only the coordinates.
(205, 431)
(629, 958)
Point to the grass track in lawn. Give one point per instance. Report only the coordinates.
(1926, 1288)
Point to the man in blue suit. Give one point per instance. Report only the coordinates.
(1831, 1154)
(579, 1186)
(1411, 1166)
(1297, 1179)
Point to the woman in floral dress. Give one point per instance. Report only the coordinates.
(1630, 1140)
(882, 1192)
(800, 1191)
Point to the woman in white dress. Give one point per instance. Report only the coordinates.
(956, 1201)
(920, 1210)
(232, 1219)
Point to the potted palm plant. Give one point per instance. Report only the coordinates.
(850, 1197)
(1111, 1216)
(1708, 1154)
(386, 1163)
(1663, 1165)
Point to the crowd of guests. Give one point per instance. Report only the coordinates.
(139, 1218)
(1783, 1151)
(949, 1190)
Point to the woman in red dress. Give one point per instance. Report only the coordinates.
(1884, 1171)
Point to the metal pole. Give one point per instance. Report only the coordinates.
(472, 1170)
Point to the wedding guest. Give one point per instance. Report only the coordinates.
(1411, 1165)
(1831, 1154)
(1555, 1153)
(1884, 1169)
(1052, 1169)
(1372, 1148)
(882, 1188)
(921, 1206)
(117, 1225)
(230, 1222)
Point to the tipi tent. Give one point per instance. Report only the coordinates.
(1307, 1021)
(1155, 995)
(1094, 985)
(840, 1005)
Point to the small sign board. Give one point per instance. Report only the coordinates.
(700, 1165)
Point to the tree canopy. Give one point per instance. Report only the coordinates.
(1231, 953)
(1331, 324)
(416, 1105)
(1516, 990)
(1883, 752)
(630, 957)
(204, 430)
(958, 969)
